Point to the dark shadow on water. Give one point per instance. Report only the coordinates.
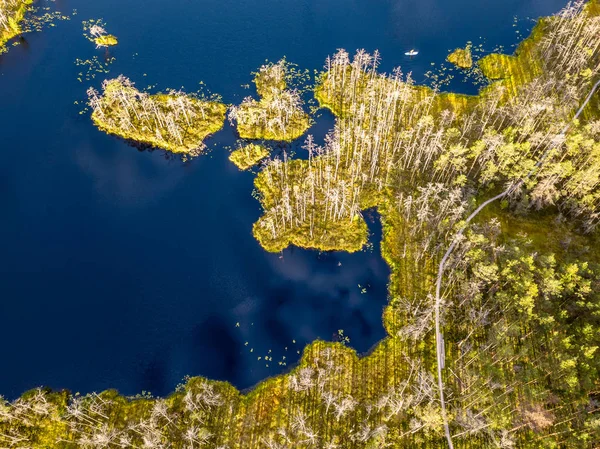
(154, 377)
(208, 339)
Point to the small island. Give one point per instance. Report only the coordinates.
(174, 121)
(95, 30)
(278, 115)
(12, 13)
(248, 156)
(462, 57)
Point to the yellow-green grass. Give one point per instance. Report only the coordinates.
(271, 79)
(447, 101)
(208, 121)
(249, 155)
(107, 40)
(15, 10)
(461, 57)
(593, 7)
(252, 128)
(349, 235)
(516, 70)
(278, 115)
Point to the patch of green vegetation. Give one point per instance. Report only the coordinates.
(271, 79)
(521, 68)
(278, 115)
(341, 98)
(333, 236)
(461, 57)
(498, 66)
(593, 8)
(95, 31)
(249, 155)
(277, 229)
(12, 13)
(107, 40)
(175, 121)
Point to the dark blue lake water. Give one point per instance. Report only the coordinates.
(130, 269)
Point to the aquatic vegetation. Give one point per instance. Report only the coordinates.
(90, 68)
(278, 115)
(521, 68)
(12, 13)
(249, 155)
(461, 57)
(42, 17)
(175, 121)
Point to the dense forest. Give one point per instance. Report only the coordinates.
(519, 302)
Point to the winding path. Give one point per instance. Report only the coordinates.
(439, 337)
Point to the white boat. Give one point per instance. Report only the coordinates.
(411, 53)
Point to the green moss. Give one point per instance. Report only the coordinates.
(249, 155)
(107, 40)
(260, 120)
(174, 121)
(461, 57)
(339, 104)
(12, 13)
